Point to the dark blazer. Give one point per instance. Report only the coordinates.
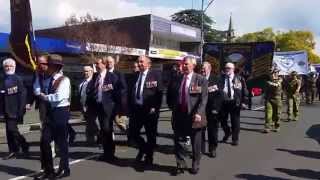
(13, 97)
(173, 85)
(152, 90)
(239, 87)
(215, 96)
(197, 100)
(111, 92)
(123, 109)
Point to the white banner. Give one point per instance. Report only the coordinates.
(290, 61)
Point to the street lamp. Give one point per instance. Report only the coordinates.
(203, 10)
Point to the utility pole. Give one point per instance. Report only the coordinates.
(202, 39)
(203, 10)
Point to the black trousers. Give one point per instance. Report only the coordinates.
(92, 129)
(182, 129)
(55, 129)
(14, 139)
(106, 115)
(212, 129)
(230, 108)
(142, 118)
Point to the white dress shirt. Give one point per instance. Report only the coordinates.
(225, 89)
(101, 80)
(142, 75)
(60, 98)
(189, 77)
(82, 90)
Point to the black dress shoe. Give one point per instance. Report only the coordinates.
(25, 149)
(46, 176)
(213, 154)
(11, 155)
(235, 143)
(105, 158)
(62, 173)
(178, 171)
(225, 138)
(194, 171)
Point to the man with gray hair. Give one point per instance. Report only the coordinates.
(235, 95)
(12, 106)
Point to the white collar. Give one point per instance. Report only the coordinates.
(57, 75)
(145, 72)
(103, 73)
(111, 70)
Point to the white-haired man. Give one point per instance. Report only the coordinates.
(13, 103)
(235, 97)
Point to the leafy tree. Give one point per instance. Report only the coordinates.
(192, 17)
(285, 41)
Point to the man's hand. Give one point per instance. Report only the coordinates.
(197, 118)
(42, 96)
(152, 110)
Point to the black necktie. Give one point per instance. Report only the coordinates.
(139, 86)
(229, 86)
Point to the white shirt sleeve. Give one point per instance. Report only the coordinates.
(36, 86)
(62, 93)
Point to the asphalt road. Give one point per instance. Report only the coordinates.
(293, 153)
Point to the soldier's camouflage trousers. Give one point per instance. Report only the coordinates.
(273, 113)
(293, 103)
(310, 95)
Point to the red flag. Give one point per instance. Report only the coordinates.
(21, 36)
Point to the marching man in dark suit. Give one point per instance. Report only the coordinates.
(103, 95)
(214, 103)
(12, 106)
(235, 96)
(146, 102)
(189, 118)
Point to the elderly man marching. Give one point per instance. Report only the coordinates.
(293, 99)
(188, 116)
(273, 102)
(58, 102)
(12, 106)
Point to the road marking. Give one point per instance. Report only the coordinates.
(258, 108)
(56, 167)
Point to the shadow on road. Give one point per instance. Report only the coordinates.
(252, 130)
(139, 167)
(308, 154)
(15, 171)
(252, 117)
(250, 123)
(300, 173)
(258, 177)
(314, 132)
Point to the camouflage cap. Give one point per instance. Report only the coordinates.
(294, 73)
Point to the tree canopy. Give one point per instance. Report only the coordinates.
(286, 41)
(192, 17)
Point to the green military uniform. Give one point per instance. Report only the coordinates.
(311, 88)
(273, 104)
(293, 98)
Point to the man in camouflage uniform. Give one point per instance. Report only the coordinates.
(273, 102)
(311, 88)
(293, 99)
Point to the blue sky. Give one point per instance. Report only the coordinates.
(248, 15)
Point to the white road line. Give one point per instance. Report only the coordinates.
(56, 167)
(258, 108)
